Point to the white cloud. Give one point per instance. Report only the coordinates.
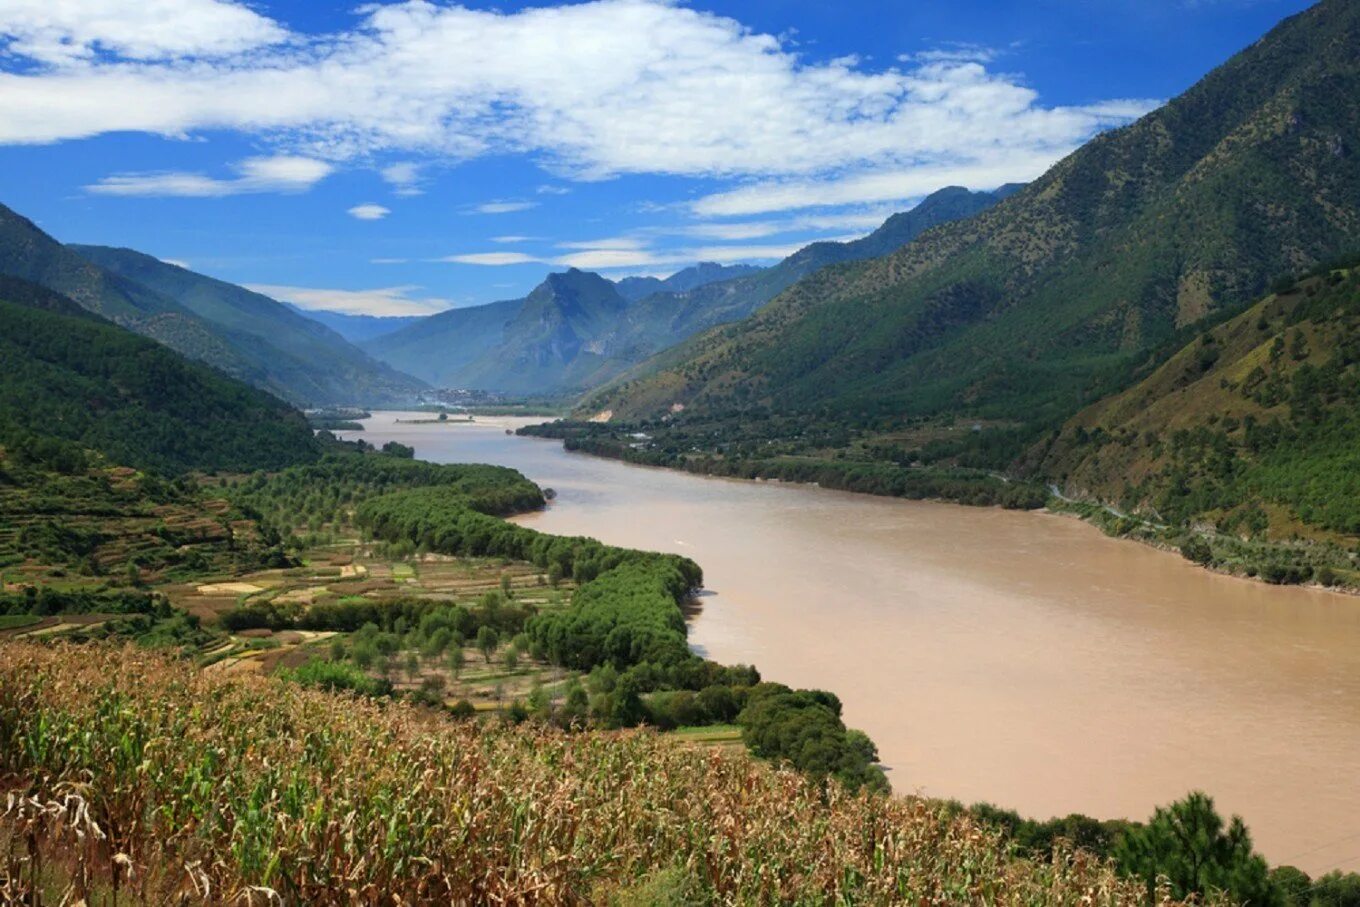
(71, 31)
(590, 90)
(511, 239)
(404, 177)
(490, 258)
(177, 262)
(614, 243)
(282, 173)
(502, 207)
(382, 301)
(369, 212)
(548, 189)
(595, 259)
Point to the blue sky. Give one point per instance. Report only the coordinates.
(401, 158)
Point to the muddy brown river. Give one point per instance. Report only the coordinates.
(1024, 659)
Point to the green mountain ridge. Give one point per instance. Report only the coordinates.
(243, 334)
(553, 341)
(77, 378)
(293, 356)
(1048, 300)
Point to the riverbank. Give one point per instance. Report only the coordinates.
(1304, 563)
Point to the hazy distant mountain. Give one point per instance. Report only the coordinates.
(634, 288)
(296, 357)
(578, 330)
(547, 342)
(1047, 300)
(357, 328)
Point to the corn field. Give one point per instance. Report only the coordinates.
(129, 778)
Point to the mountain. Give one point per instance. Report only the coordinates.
(505, 346)
(29, 253)
(546, 342)
(74, 377)
(1253, 426)
(660, 321)
(357, 328)
(289, 354)
(635, 288)
(1049, 299)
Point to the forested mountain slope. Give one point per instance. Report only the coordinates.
(76, 378)
(1254, 426)
(1045, 301)
(29, 253)
(294, 356)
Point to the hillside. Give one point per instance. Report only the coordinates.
(1253, 427)
(293, 356)
(553, 341)
(1048, 300)
(29, 253)
(72, 376)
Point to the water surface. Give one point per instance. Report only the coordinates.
(1023, 659)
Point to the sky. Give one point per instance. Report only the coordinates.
(402, 158)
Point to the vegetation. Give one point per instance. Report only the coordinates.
(1248, 432)
(75, 381)
(784, 451)
(132, 774)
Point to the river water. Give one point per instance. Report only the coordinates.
(1024, 659)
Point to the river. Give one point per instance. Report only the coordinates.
(1020, 658)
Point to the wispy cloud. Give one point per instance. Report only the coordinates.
(281, 173)
(506, 240)
(502, 207)
(497, 259)
(382, 301)
(368, 212)
(404, 177)
(871, 186)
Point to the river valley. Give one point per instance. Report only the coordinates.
(1020, 658)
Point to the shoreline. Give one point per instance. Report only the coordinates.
(1095, 519)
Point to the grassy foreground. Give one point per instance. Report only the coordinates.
(129, 773)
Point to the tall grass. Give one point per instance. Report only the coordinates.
(122, 772)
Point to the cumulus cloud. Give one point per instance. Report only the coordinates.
(369, 212)
(281, 173)
(590, 90)
(382, 301)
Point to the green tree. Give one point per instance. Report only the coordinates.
(1187, 844)
(487, 641)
